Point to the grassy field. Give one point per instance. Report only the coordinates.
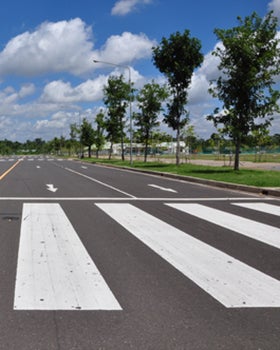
(259, 178)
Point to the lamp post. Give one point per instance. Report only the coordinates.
(130, 107)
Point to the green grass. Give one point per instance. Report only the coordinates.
(259, 178)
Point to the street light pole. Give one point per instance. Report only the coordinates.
(130, 105)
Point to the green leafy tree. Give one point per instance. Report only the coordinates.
(99, 132)
(177, 58)
(75, 137)
(117, 95)
(249, 59)
(150, 100)
(87, 135)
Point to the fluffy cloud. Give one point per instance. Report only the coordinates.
(125, 48)
(67, 46)
(123, 7)
(63, 92)
(274, 6)
(52, 47)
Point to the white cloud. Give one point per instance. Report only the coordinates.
(123, 7)
(61, 92)
(274, 6)
(67, 46)
(52, 47)
(10, 96)
(125, 48)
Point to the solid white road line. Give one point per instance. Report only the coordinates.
(145, 199)
(54, 270)
(261, 232)
(263, 207)
(231, 282)
(99, 182)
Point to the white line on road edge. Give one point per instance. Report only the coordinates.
(261, 232)
(263, 207)
(99, 182)
(228, 280)
(54, 270)
(162, 188)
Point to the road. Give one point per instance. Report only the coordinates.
(99, 258)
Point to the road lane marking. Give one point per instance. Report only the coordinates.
(144, 199)
(162, 188)
(54, 270)
(100, 182)
(10, 169)
(263, 207)
(50, 187)
(261, 232)
(230, 281)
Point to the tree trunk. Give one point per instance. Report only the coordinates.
(146, 151)
(237, 151)
(111, 150)
(122, 149)
(178, 147)
(89, 151)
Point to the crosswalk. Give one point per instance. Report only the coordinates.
(55, 272)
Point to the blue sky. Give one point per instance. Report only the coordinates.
(48, 79)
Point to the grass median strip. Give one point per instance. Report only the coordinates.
(251, 177)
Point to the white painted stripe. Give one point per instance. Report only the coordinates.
(263, 207)
(261, 232)
(54, 270)
(99, 182)
(146, 199)
(162, 188)
(231, 282)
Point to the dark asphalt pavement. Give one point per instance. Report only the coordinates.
(161, 308)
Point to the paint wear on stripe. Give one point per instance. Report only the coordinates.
(54, 271)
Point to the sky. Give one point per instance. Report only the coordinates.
(48, 79)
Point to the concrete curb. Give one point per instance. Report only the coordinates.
(275, 192)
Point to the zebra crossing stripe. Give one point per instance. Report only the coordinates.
(54, 270)
(261, 232)
(228, 280)
(263, 207)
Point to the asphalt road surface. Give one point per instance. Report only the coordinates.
(99, 258)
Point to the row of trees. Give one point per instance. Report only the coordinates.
(249, 61)
(216, 143)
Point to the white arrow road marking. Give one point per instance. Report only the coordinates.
(38, 166)
(54, 271)
(261, 232)
(50, 187)
(228, 280)
(162, 188)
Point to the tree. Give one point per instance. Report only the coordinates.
(87, 135)
(177, 58)
(99, 133)
(149, 99)
(117, 95)
(190, 138)
(249, 59)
